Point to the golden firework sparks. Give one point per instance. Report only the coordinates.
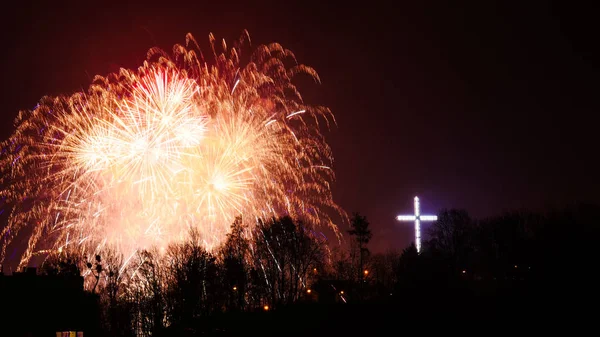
(144, 155)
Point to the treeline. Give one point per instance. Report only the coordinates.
(546, 259)
(467, 268)
(259, 270)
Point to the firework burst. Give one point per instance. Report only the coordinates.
(145, 155)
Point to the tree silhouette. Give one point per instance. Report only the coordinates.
(234, 254)
(407, 267)
(285, 253)
(118, 319)
(362, 235)
(341, 265)
(452, 236)
(505, 241)
(95, 269)
(64, 263)
(151, 290)
(194, 287)
(382, 273)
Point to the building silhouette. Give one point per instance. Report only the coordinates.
(41, 305)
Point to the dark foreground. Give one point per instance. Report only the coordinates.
(463, 312)
(466, 308)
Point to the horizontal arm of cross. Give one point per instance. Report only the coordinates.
(413, 218)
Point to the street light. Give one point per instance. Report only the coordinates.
(266, 308)
(234, 288)
(366, 272)
(308, 291)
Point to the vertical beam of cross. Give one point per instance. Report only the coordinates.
(417, 218)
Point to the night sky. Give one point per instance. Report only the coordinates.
(482, 107)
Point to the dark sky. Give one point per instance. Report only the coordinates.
(485, 107)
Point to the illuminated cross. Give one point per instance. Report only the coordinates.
(417, 218)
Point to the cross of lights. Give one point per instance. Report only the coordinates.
(417, 218)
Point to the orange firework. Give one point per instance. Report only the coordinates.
(144, 155)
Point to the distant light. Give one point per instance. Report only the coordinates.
(309, 291)
(315, 270)
(342, 292)
(266, 308)
(464, 271)
(515, 266)
(234, 288)
(366, 272)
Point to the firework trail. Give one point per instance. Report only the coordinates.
(145, 155)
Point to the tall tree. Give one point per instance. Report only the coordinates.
(362, 235)
(150, 288)
(452, 236)
(118, 316)
(235, 271)
(193, 286)
(286, 251)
